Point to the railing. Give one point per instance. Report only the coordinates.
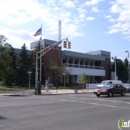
(83, 66)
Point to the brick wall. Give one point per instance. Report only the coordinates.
(53, 55)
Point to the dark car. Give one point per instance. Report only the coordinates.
(127, 86)
(110, 90)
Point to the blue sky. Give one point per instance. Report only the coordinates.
(90, 24)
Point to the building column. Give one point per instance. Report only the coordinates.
(79, 63)
(67, 61)
(83, 63)
(73, 59)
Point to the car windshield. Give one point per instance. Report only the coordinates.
(107, 86)
(105, 82)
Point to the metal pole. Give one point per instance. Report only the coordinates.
(29, 80)
(128, 71)
(41, 56)
(40, 64)
(36, 73)
(115, 69)
(64, 81)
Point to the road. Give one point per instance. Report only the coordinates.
(63, 112)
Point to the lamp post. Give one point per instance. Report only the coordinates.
(128, 65)
(29, 72)
(115, 63)
(64, 79)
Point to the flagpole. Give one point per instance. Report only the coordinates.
(41, 57)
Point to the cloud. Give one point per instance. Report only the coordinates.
(95, 9)
(30, 14)
(115, 9)
(16, 12)
(112, 20)
(124, 16)
(18, 37)
(108, 16)
(90, 18)
(93, 2)
(82, 16)
(120, 12)
(81, 10)
(69, 4)
(112, 31)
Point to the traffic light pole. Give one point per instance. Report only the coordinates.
(42, 53)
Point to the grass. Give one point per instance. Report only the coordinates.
(13, 88)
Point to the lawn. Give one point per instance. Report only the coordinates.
(13, 88)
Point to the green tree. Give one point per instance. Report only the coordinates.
(5, 61)
(57, 71)
(83, 79)
(122, 70)
(23, 66)
(11, 77)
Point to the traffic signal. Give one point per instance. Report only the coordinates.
(69, 45)
(65, 44)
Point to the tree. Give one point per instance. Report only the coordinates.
(122, 70)
(83, 79)
(5, 61)
(23, 66)
(57, 71)
(11, 77)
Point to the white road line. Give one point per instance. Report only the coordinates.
(102, 105)
(63, 99)
(97, 104)
(68, 100)
(106, 100)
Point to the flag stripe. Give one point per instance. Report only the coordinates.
(39, 32)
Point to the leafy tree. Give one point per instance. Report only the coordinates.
(56, 70)
(5, 61)
(122, 70)
(23, 66)
(83, 79)
(11, 78)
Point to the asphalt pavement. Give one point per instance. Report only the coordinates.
(83, 111)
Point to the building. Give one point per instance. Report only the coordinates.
(95, 64)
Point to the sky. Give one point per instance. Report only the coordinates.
(90, 25)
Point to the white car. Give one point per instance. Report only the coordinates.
(108, 82)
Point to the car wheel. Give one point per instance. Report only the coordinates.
(98, 95)
(110, 94)
(123, 94)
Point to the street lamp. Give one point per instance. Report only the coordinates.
(128, 65)
(29, 72)
(115, 63)
(64, 79)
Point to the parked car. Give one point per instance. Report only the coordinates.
(127, 86)
(110, 90)
(108, 82)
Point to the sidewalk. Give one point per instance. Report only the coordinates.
(43, 92)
